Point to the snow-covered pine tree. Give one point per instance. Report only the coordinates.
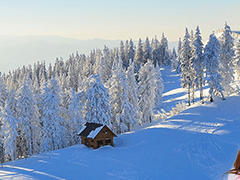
(132, 87)
(50, 71)
(186, 64)
(97, 99)
(52, 129)
(102, 70)
(174, 60)
(128, 117)
(164, 54)
(147, 90)
(97, 57)
(29, 124)
(237, 59)
(122, 55)
(155, 51)
(211, 64)
(87, 67)
(147, 51)
(138, 56)
(123, 112)
(178, 68)
(107, 64)
(12, 102)
(126, 48)
(76, 120)
(3, 98)
(226, 55)
(159, 87)
(71, 79)
(197, 62)
(131, 51)
(9, 134)
(3, 94)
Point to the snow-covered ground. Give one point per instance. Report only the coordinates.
(200, 143)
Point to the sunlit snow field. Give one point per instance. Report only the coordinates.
(199, 143)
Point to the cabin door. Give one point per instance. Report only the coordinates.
(99, 143)
(108, 141)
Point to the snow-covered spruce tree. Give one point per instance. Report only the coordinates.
(128, 117)
(97, 57)
(147, 51)
(237, 59)
(29, 124)
(226, 55)
(87, 67)
(186, 64)
(71, 79)
(116, 61)
(130, 52)
(97, 99)
(123, 55)
(159, 88)
(211, 64)
(50, 71)
(164, 54)
(197, 62)
(126, 48)
(3, 97)
(106, 65)
(12, 102)
(102, 70)
(178, 68)
(9, 134)
(138, 56)
(174, 60)
(132, 87)
(155, 51)
(123, 112)
(52, 129)
(3, 94)
(147, 90)
(75, 121)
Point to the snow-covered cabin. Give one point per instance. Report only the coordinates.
(96, 135)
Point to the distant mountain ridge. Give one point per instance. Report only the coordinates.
(16, 51)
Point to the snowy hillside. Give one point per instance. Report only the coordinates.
(199, 143)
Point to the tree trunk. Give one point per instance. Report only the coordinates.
(193, 91)
(189, 98)
(201, 90)
(223, 98)
(211, 99)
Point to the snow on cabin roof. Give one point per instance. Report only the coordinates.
(82, 129)
(90, 130)
(93, 133)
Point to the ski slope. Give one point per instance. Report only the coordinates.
(200, 143)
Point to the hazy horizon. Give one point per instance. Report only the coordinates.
(60, 26)
(113, 19)
(24, 50)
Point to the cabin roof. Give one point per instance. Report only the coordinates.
(91, 130)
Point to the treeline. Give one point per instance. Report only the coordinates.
(214, 64)
(43, 107)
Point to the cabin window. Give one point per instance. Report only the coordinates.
(108, 141)
(86, 142)
(105, 132)
(100, 143)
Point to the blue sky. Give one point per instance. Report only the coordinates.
(114, 19)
